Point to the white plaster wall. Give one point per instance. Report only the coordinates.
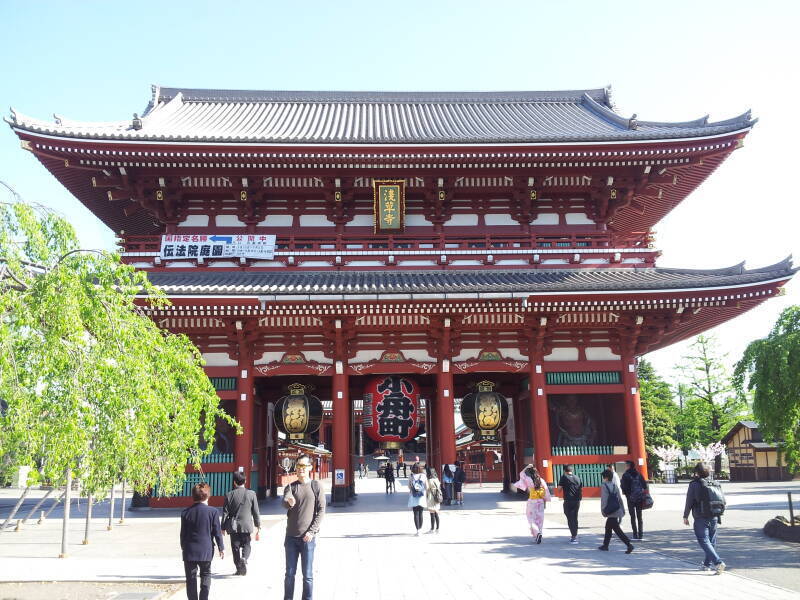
(277, 221)
(462, 221)
(228, 221)
(595, 261)
(180, 264)
(142, 265)
(511, 261)
(362, 221)
(555, 261)
(462, 263)
(578, 219)
(499, 219)
(315, 263)
(222, 263)
(366, 263)
(315, 221)
(267, 263)
(194, 221)
(546, 219)
(218, 359)
(601, 353)
(562, 354)
(416, 263)
(632, 261)
(416, 221)
(366, 356)
(311, 356)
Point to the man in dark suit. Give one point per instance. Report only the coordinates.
(239, 519)
(199, 530)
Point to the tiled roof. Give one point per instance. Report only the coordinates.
(380, 118)
(338, 283)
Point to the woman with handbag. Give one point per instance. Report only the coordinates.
(612, 509)
(433, 498)
(538, 497)
(417, 485)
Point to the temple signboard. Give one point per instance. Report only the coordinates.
(389, 201)
(193, 247)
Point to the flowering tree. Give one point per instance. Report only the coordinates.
(709, 453)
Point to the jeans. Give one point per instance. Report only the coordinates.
(705, 530)
(240, 547)
(191, 568)
(571, 508)
(295, 547)
(635, 511)
(612, 524)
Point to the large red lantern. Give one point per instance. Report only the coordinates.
(391, 410)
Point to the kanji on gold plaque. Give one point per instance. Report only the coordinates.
(389, 197)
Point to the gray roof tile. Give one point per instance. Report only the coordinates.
(278, 117)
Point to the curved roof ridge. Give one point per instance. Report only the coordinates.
(606, 113)
(218, 95)
(781, 265)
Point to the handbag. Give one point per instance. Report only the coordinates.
(646, 501)
(612, 504)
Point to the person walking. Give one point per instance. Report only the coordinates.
(538, 497)
(572, 488)
(459, 477)
(239, 519)
(305, 500)
(200, 530)
(705, 523)
(417, 486)
(433, 498)
(388, 474)
(447, 483)
(611, 508)
(634, 487)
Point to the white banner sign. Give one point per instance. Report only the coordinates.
(194, 246)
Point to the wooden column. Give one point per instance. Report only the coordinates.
(341, 433)
(245, 407)
(634, 429)
(445, 417)
(540, 417)
(263, 449)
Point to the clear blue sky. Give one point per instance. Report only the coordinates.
(96, 60)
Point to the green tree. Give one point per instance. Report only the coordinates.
(770, 368)
(88, 382)
(711, 405)
(658, 412)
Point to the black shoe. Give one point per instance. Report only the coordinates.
(539, 539)
(630, 549)
(243, 568)
(603, 548)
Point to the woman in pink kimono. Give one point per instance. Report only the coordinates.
(538, 497)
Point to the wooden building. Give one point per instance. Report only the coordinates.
(750, 458)
(324, 237)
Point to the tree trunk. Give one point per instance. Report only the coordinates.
(88, 519)
(49, 510)
(16, 508)
(122, 509)
(38, 504)
(718, 457)
(65, 524)
(111, 510)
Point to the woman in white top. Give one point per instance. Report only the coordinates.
(417, 486)
(433, 498)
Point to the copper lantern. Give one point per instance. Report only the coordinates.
(298, 414)
(484, 411)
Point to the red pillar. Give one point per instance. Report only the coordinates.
(245, 405)
(634, 429)
(540, 418)
(263, 472)
(445, 418)
(341, 433)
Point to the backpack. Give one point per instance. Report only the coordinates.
(417, 487)
(712, 500)
(436, 494)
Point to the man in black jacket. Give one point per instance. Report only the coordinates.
(705, 526)
(239, 519)
(199, 530)
(634, 486)
(572, 487)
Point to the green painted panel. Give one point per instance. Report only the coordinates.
(590, 474)
(583, 377)
(224, 384)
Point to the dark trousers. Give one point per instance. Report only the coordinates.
(571, 508)
(635, 511)
(418, 517)
(240, 546)
(612, 524)
(191, 568)
(296, 548)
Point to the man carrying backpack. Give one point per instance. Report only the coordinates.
(706, 502)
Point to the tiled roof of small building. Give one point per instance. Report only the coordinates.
(280, 117)
(337, 283)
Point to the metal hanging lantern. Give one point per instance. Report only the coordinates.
(485, 411)
(391, 410)
(298, 414)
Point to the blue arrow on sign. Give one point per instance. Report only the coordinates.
(221, 238)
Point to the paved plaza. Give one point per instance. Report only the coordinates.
(367, 550)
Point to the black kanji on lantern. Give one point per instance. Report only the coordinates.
(395, 409)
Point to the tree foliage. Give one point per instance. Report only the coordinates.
(770, 368)
(87, 381)
(658, 412)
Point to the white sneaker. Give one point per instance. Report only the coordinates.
(704, 568)
(417, 534)
(573, 541)
(720, 568)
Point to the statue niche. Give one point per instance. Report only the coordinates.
(574, 424)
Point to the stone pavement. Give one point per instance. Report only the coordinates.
(368, 550)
